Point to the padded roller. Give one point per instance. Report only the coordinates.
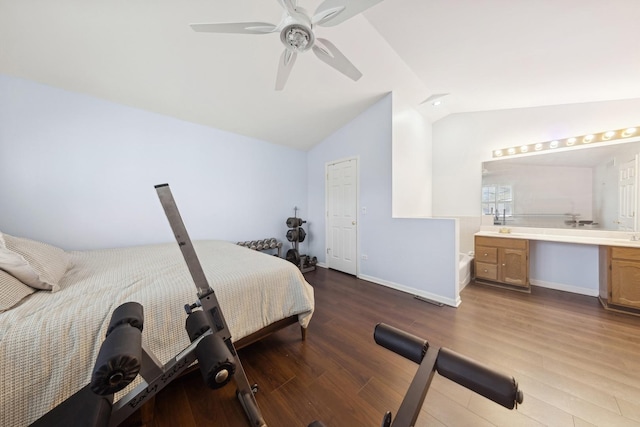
(196, 324)
(129, 312)
(118, 361)
(216, 362)
(400, 342)
(491, 384)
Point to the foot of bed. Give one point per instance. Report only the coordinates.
(303, 331)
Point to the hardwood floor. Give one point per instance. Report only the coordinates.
(577, 364)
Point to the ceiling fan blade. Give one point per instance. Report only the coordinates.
(326, 15)
(235, 28)
(328, 53)
(289, 5)
(287, 59)
(351, 9)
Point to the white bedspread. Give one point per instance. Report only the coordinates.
(49, 343)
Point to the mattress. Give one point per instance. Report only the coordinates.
(49, 342)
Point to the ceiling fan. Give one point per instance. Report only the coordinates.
(296, 33)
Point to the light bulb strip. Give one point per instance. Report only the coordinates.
(575, 141)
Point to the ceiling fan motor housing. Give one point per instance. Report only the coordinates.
(297, 34)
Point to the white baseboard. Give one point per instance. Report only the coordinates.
(566, 288)
(412, 291)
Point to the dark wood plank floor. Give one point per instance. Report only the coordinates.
(577, 364)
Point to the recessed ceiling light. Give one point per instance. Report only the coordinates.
(538, 147)
(587, 139)
(553, 144)
(608, 135)
(628, 132)
(434, 99)
(524, 149)
(571, 141)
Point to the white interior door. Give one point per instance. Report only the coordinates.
(342, 216)
(627, 197)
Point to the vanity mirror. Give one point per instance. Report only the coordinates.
(588, 188)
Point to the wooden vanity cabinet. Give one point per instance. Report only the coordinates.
(501, 260)
(620, 277)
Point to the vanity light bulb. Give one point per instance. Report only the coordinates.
(628, 132)
(524, 149)
(553, 144)
(538, 147)
(608, 135)
(571, 141)
(587, 139)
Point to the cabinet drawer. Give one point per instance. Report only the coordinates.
(486, 254)
(625, 253)
(502, 242)
(486, 271)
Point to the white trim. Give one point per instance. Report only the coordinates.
(412, 291)
(565, 288)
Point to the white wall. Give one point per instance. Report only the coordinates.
(461, 142)
(411, 169)
(79, 172)
(415, 255)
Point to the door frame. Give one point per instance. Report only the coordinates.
(326, 208)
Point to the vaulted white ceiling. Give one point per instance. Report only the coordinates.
(489, 54)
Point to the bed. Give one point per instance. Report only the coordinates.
(49, 338)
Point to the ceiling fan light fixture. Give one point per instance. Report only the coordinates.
(297, 38)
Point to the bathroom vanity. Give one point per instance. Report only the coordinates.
(502, 259)
(620, 278)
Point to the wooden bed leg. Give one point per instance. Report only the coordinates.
(304, 333)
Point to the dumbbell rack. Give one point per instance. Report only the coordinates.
(263, 245)
(296, 235)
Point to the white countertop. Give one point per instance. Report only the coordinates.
(585, 237)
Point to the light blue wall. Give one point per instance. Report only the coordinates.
(79, 172)
(565, 266)
(415, 255)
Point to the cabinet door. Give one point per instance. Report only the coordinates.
(513, 266)
(625, 283)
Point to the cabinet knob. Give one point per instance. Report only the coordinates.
(486, 254)
(486, 271)
(504, 265)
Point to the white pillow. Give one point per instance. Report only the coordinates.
(36, 264)
(12, 291)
